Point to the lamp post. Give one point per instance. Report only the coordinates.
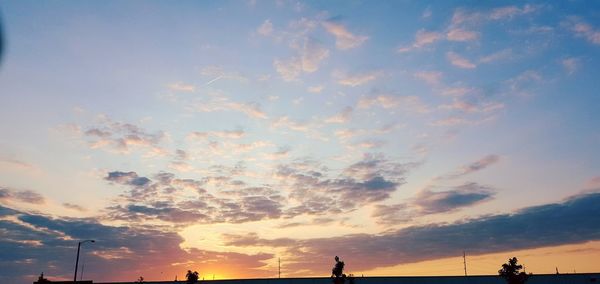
(77, 260)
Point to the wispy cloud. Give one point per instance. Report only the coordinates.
(476, 166)
(354, 80)
(509, 12)
(310, 55)
(430, 77)
(570, 64)
(459, 61)
(582, 29)
(342, 117)
(458, 34)
(182, 87)
(344, 39)
(429, 201)
(497, 56)
(315, 89)
(389, 101)
(423, 38)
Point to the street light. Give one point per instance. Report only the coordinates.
(77, 260)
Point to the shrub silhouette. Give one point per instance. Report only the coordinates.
(511, 272)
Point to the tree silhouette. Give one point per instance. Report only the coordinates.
(511, 272)
(140, 280)
(192, 277)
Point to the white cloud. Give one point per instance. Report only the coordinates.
(266, 28)
(459, 61)
(344, 39)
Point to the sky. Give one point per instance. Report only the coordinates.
(224, 136)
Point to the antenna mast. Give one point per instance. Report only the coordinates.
(465, 262)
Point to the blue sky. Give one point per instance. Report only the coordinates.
(251, 130)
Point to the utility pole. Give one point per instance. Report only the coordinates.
(279, 259)
(465, 262)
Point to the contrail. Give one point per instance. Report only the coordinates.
(213, 80)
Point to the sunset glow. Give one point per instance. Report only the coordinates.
(225, 136)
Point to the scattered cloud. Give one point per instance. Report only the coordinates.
(344, 116)
(472, 107)
(223, 134)
(389, 101)
(344, 39)
(222, 103)
(370, 180)
(288, 69)
(266, 28)
(310, 54)
(123, 137)
(570, 64)
(315, 89)
(422, 38)
(497, 56)
(172, 200)
(582, 29)
(509, 12)
(458, 34)
(215, 73)
(456, 91)
(430, 77)
(522, 84)
(354, 80)
(182, 87)
(26, 196)
(459, 61)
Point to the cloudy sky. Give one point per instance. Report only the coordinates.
(219, 136)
